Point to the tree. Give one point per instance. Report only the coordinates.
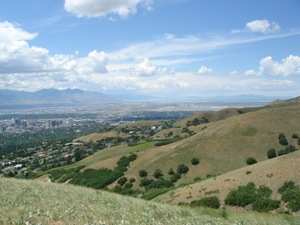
(158, 173)
(122, 181)
(195, 161)
(171, 171)
(271, 153)
(182, 169)
(282, 139)
(143, 173)
(251, 161)
(211, 202)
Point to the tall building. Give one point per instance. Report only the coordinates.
(70, 122)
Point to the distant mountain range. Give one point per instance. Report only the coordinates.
(54, 97)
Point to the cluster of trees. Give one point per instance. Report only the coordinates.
(259, 198)
(196, 121)
(22, 141)
(290, 194)
(288, 147)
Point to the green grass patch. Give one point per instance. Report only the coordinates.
(251, 131)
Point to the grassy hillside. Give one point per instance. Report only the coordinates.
(223, 145)
(31, 202)
(271, 173)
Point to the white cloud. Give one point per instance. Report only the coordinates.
(95, 63)
(204, 70)
(99, 8)
(287, 67)
(21, 63)
(262, 26)
(146, 68)
(10, 32)
(251, 73)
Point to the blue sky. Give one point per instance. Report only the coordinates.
(164, 49)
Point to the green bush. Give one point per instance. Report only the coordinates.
(292, 197)
(128, 185)
(290, 148)
(264, 192)
(195, 161)
(160, 183)
(122, 181)
(242, 196)
(175, 177)
(171, 171)
(182, 169)
(265, 204)
(158, 173)
(211, 202)
(290, 193)
(287, 186)
(145, 182)
(251, 161)
(282, 152)
(271, 153)
(96, 178)
(282, 139)
(132, 180)
(143, 173)
(295, 136)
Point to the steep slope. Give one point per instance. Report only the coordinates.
(271, 173)
(224, 145)
(31, 202)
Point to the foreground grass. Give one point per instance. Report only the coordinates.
(31, 202)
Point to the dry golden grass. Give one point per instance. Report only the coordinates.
(97, 136)
(224, 146)
(271, 173)
(32, 202)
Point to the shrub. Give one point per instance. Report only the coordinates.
(295, 136)
(242, 196)
(264, 192)
(158, 173)
(290, 148)
(282, 152)
(298, 141)
(132, 180)
(160, 183)
(122, 181)
(182, 169)
(211, 202)
(271, 153)
(290, 193)
(265, 204)
(251, 161)
(145, 182)
(286, 186)
(128, 185)
(171, 171)
(143, 173)
(292, 197)
(282, 139)
(195, 161)
(175, 177)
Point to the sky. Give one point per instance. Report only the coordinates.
(154, 49)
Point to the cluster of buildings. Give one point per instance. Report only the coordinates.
(43, 158)
(16, 125)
